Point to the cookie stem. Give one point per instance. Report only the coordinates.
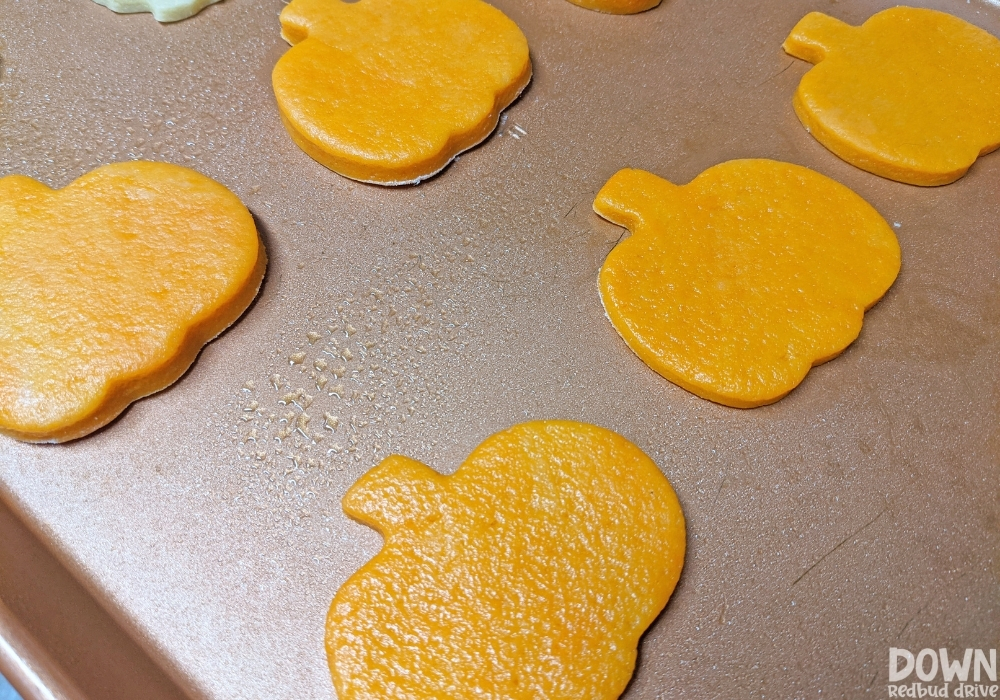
(815, 36)
(399, 493)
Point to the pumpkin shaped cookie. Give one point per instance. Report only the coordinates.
(910, 95)
(529, 573)
(390, 91)
(110, 287)
(734, 285)
(163, 10)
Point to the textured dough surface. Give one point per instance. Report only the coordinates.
(617, 7)
(530, 573)
(109, 288)
(734, 285)
(390, 91)
(910, 95)
(163, 10)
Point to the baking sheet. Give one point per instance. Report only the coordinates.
(859, 513)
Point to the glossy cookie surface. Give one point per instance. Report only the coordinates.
(529, 573)
(390, 91)
(735, 284)
(109, 289)
(910, 95)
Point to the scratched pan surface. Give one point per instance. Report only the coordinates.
(860, 512)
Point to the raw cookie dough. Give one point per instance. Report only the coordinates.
(617, 7)
(110, 287)
(910, 95)
(163, 10)
(390, 91)
(734, 285)
(530, 573)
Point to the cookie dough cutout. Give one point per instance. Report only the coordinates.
(109, 289)
(390, 91)
(163, 10)
(734, 285)
(529, 573)
(910, 95)
(617, 7)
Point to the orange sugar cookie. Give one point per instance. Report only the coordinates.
(910, 95)
(109, 288)
(390, 91)
(530, 573)
(734, 285)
